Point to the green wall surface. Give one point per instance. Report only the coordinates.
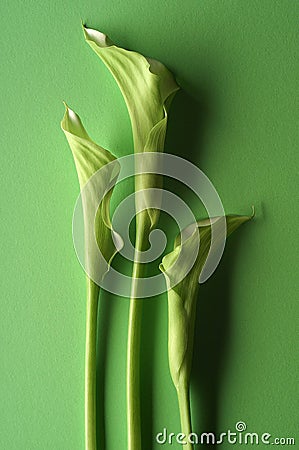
(236, 117)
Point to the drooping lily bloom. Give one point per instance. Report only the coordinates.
(182, 299)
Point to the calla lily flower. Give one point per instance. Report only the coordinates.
(89, 158)
(182, 297)
(148, 88)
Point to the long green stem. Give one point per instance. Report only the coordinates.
(133, 372)
(134, 331)
(184, 406)
(90, 365)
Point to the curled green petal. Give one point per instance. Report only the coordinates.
(182, 298)
(148, 88)
(89, 158)
(146, 84)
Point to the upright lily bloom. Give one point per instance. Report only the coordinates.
(89, 158)
(148, 88)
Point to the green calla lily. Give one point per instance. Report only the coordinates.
(148, 88)
(89, 158)
(182, 297)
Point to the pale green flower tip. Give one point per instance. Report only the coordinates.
(71, 124)
(68, 118)
(244, 218)
(65, 116)
(82, 24)
(66, 112)
(167, 79)
(168, 83)
(97, 37)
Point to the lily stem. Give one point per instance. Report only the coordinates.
(134, 332)
(184, 406)
(90, 365)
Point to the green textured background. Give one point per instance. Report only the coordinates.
(237, 118)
